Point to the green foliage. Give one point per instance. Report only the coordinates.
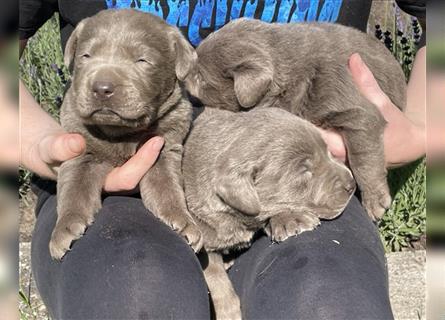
(42, 68)
(405, 221)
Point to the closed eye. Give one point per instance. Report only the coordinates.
(142, 60)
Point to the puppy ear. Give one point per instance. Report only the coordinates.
(238, 191)
(71, 45)
(252, 80)
(186, 56)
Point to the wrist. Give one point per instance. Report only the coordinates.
(413, 148)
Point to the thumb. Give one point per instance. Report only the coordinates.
(366, 82)
(61, 147)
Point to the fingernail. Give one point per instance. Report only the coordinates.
(158, 142)
(360, 61)
(75, 145)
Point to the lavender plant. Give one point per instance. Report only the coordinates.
(405, 222)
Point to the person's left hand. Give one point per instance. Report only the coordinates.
(403, 140)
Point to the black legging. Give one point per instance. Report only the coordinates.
(129, 265)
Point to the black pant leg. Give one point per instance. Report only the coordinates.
(337, 271)
(128, 265)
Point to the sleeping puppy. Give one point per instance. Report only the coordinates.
(302, 68)
(262, 169)
(125, 89)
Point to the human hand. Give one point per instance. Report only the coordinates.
(60, 146)
(404, 138)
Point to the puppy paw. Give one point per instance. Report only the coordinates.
(68, 229)
(376, 202)
(193, 236)
(189, 230)
(283, 226)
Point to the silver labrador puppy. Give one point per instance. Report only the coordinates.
(302, 68)
(127, 66)
(265, 168)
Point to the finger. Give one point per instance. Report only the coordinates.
(335, 143)
(128, 175)
(61, 147)
(366, 82)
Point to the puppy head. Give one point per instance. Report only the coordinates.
(230, 74)
(125, 66)
(311, 179)
(330, 185)
(295, 173)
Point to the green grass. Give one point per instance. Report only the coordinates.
(40, 66)
(405, 221)
(43, 72)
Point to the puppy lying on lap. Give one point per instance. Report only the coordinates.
(262, 169)
(125, 89)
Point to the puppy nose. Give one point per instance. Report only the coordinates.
(103, 89)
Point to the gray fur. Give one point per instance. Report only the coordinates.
(143, 57)
(263, 169)
(302, 68)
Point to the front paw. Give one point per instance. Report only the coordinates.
(376, 202)
(285, 225)
(68, 228)
(187, 228)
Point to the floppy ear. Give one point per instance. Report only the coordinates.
(238, 191)
(71, 45)
(251, 80)
(186, 56)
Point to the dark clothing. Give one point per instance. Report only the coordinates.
(129, 265)
(197, 18)
(337, 271)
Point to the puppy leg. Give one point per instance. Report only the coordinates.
(285, 225)
(225, 300)
(163, 194)
(339, 105)
(79, 188)
(367, 161)
(362, 130)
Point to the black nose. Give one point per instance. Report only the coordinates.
(103, 89)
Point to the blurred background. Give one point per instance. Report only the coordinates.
(9, 153)
(405, 231)
(436, 160)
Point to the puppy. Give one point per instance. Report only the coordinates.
(263, 169)
(125, 89)
(303, 68)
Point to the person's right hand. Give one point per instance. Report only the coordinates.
(60, 146)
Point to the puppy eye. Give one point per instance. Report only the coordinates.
(85, 56)
(142, 60)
